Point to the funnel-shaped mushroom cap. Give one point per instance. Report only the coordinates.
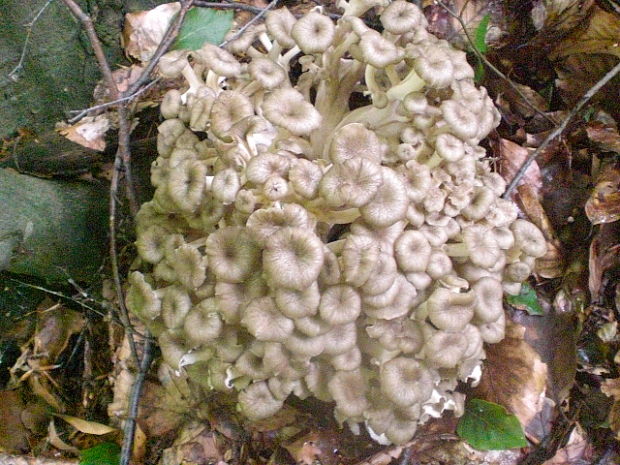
(406, 381)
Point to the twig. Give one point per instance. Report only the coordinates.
(102, 106)
(242, 29)
(557, 131)
(229, 6)
(166, 41)
(13, 74)
(489, 64)
(95, 43)
(129, 430)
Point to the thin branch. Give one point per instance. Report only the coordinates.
(129, 429)
(558, 131)
(95, 43)
(241, 30)
(13, 74)
(229, 6)
(102, 106)
(490, 65)
(124, 152)
(164, 45)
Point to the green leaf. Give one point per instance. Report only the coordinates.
(203, 25)
(488, 426)
(106, 453)
(480, 34)
(527, 300)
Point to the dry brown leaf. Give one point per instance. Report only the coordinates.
(605, 136)
(604, 255)
(283, 417)
(551, 264)
(578, 73)
(577, 450)
(55, 325)
(512, 157)
(86, 426)
(144, 30)
(514, 376)
(316, 445)
(195, 443)
(54, 439)
(13, 434)
(603, 206)
(611, 388)
(600, 35)
(89, 131)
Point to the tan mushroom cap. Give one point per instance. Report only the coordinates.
(405, 381)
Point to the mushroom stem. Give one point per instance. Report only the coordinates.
(379, 99)
(192, 78)
(411, 83)
(392, 75)
(285, 59)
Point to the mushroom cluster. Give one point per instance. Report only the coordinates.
(324, 222)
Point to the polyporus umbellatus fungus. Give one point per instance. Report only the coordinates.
(300, 246)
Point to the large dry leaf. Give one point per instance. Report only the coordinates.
(603, 206)
(578, 73)
(316, 445)
(89, 132)
(144, 30)
(611, 388)
(599, 35)
(514, 376)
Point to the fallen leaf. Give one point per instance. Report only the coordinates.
(526, 300)
(603, 206)
(601, 35)
(605, 136)
(578, 73)
(514, 376)
(488, 426)
(144, 30)
(283, 417)
(316, 445)
(54, 439)
(551, 265)
(512, 156)
(203, 25)
(13, 434)
(106, 453)
(86, 426)
(89, 131)
(55, 326)
(576, 450)
(604, 255)
(195, 443)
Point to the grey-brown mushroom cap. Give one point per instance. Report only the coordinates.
(257, 402)
(406, 381)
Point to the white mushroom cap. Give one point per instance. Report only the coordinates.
(450, 311)
(489, 294)
(348, 389)
(263, 320)
(217, 59)
(279, 24)
(293, 258)
(353, 183)
(257, 402)
(313, 32)
(529, 238)
(233, 255)
(405, 381)
(400, 17)
(298, 304)
(289, 109)
(340, 304)
(412, 251)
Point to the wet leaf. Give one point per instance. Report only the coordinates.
(144, 30)
(316, 445)
(195, 443)
(527, 300)
(603, 206)
(202, 25)
(488, 426)
(56, 324)
(577, 450)
(514, 376)
(85, 426)
(106, 453)
(480, 34)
